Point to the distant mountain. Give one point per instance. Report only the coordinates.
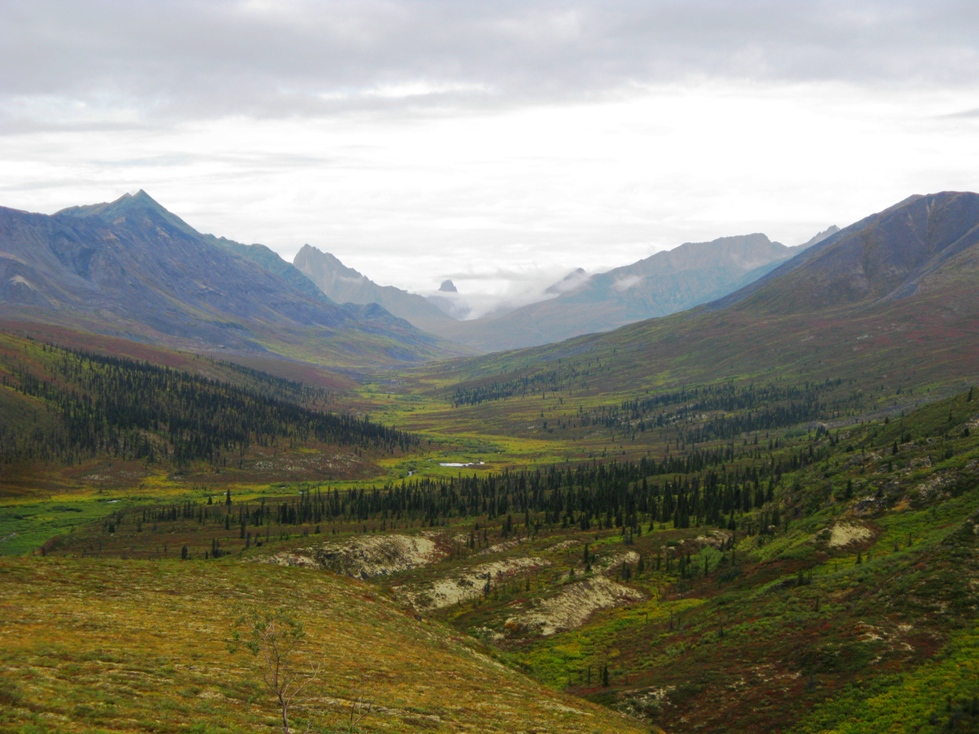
(664, 283)
(819, 237)
(270, 260)
(569, 282)
(346, 285)
(887, 256)
(891, 298)
(130, 268)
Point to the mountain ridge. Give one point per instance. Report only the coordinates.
(131, 268)
(665, 282)
(793, 322)
(856, 263)
(346, 285)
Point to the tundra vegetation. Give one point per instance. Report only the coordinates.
(788, 553)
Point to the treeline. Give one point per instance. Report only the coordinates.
(722, 412)
(541, 382)
(97, 405)
(703, 488)
(561, 377)
(696, 415)
(278, 388)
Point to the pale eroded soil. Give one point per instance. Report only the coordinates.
(366, 556)
(573, 606)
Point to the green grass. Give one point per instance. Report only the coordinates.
(25, 526)
(937, 697)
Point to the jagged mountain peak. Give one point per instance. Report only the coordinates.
(317, 260)
(346, 285)
(131, 268)
(820, 236)
(135, 208)
(125, 203)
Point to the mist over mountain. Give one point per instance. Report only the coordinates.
(130, 268)
(502, 292)
(568, 283)
(892, 295)
(664, 283)
(346, 285)
(579, 303)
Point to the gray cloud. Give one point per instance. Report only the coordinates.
(80, 61)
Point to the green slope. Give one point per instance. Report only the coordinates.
(784, 580)
(64, 407)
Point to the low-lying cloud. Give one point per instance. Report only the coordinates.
(496, 292)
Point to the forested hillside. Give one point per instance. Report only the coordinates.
(65, 406)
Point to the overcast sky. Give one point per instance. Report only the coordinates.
(495, 143)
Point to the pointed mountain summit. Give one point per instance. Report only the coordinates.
(820, 236)
(569, 282)
(345, 285)
(138, 209)
(131, 268)
(663, 283)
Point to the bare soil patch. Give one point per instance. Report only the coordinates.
(573, 606)
(366, 556)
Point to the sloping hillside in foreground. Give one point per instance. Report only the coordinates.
(808, 581)
(134, 647)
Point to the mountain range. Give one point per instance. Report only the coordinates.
(132, 269)
(758, 514)
(664, 283)
(889, 297)
(346, 285)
